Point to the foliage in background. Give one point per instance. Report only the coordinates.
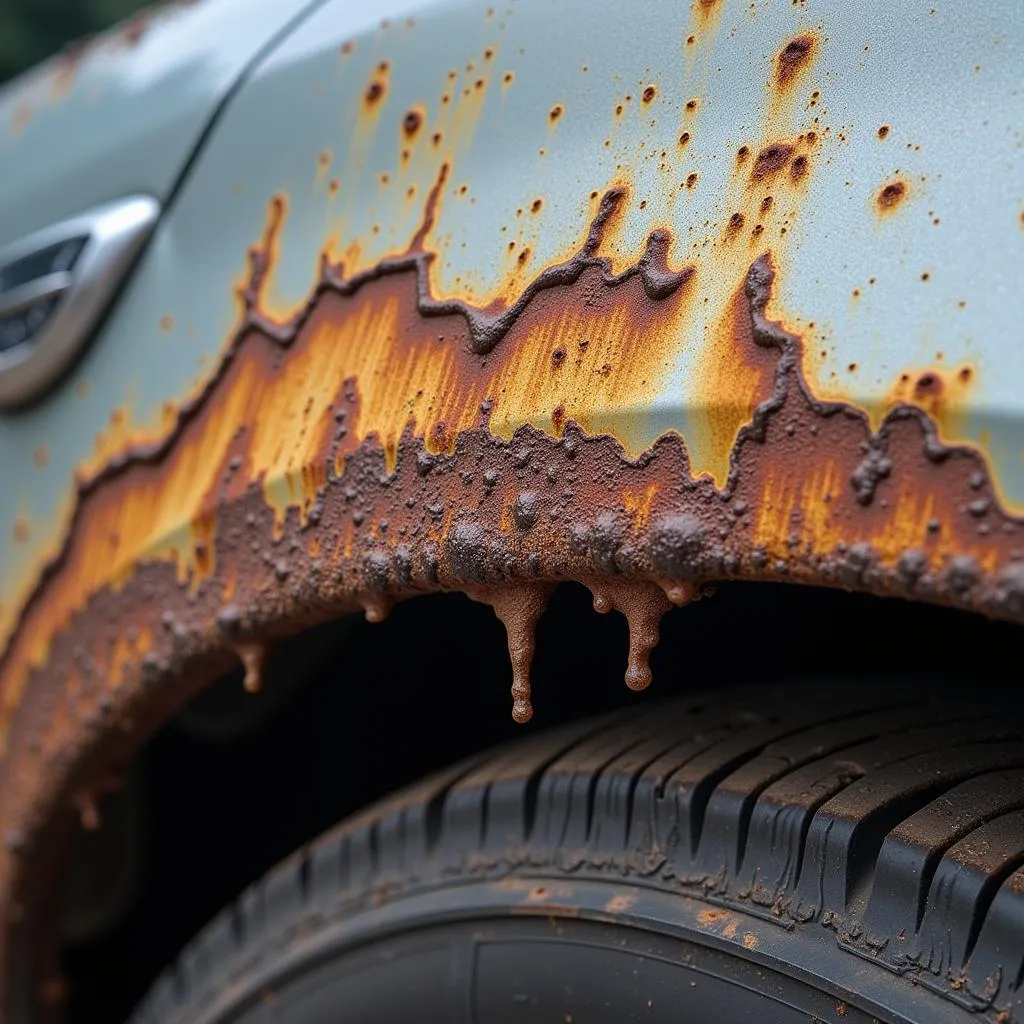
(33, 29)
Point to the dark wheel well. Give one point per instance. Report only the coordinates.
(381, 705)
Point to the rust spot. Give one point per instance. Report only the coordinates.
(766, 204)
(794, 59)
(684, 138)
(735, 222)
(332, 187)
(649, 93)
(749, 940)
(507, 78)
(536, 205)
(166, 322)
(555, 112)
(691, 180)
(883, 132)
(22, 533)
(706, 918)
(742, 153)
(691, 105)
(374, 91)
(891, 196)
(347, 47)
(412, 122)
(798, 168)
(41, 456)
(772, 159)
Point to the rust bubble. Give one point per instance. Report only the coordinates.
(891, 196)
(772, 159)
(794, 59)
(649, 93)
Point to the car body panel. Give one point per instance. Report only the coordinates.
(536, 291)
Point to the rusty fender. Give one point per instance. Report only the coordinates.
(469, 493)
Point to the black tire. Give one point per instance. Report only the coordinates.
(787, 854)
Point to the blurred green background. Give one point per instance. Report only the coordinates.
(33, 29)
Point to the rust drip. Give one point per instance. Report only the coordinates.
(253, 656)
(643, 604)
(519, 608)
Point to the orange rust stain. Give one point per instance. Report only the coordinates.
(166, 322)
(377, 87)
(555, 112)
(706, 918)
(794, 60)
(707, 12)
(891, 196)
(749, 940)
(735, 375)
(41, 456)
(22, 533)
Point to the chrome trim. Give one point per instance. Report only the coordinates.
(115, 232)
(33, 291)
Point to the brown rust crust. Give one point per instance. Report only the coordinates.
(812, 496)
